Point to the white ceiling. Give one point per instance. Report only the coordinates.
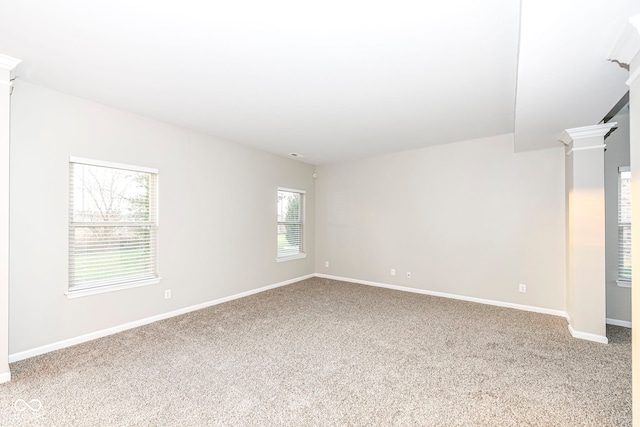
(331, 80)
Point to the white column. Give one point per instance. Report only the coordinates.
(627, 52)
(586, 296)
(7, 66)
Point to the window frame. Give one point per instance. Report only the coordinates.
(623, 280)
(124, 282)
(301, 253)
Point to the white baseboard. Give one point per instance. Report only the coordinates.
(5, 377)
(15, 357)
(542, 310)
(114, 330)
(587, 336)
(616, 322)
(534, 309)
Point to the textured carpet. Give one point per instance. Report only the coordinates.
(322, 352)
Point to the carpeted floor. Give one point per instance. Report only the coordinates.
(321, 352)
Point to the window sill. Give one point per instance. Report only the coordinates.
(623, 283)
(291, 257)
(112, 288)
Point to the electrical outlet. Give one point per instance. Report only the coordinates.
(408, 275)
(326, 264)
(167, 294)
(522, 288)
(393, 271)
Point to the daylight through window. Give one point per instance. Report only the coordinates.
(290, 223)
(112, 225)
(624, 226)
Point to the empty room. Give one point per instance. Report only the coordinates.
(318, 213)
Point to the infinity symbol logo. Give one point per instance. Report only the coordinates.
(34, 405)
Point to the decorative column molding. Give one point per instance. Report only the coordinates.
(628, 47)
(7, 68)
(585, 221)
(578, 139)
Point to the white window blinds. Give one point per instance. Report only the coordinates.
(112, 224)
(624, 225)
(290, 222)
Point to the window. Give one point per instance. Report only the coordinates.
(112, 226)
(624, 226)
(290, 224)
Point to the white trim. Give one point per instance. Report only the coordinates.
(587, 336)
(570, 135)
(79, 293)
(15, 357)
(627, 46)
(5, 378)
(291, 190)
(633, 77)
(522, 307)
(291, 257)
(8, 62)
(616, 322)
(593, 147)
(91, 162)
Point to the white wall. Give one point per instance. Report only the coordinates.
(617, 154)
(470, 218)
(217, 215)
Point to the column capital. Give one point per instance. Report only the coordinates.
(8, 65)
(574, 137)
(627, 47)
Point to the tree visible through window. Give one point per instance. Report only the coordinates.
(624, 226)
(112, 224)
(290, 223)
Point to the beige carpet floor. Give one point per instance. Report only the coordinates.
(322, 352)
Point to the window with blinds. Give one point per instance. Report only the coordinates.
(290, 223)
(112, 225)
(624, 226)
